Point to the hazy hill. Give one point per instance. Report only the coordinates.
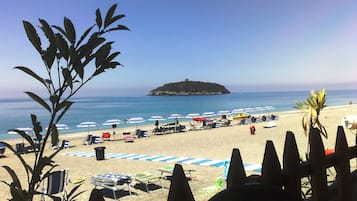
(187, 87)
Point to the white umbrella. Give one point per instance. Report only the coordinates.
(236, 111)
(224, 112)
(156, 118)
(209, 114)
(113, 123)
(135, 120)
(192, 115)
(62, 126)
(87, 124)
(175, 116)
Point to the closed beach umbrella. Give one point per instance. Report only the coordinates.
(87, 124)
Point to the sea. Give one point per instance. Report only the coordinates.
(15, 113)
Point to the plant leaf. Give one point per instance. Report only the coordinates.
(67, 77)
(15, 179)
(109, 15)
(32, 74)
(32, 36)
(54, 135)
(70, 30)
(39, 100)
(118, 28)
(47, 31)
(66, 105)
(85, 34)
(62, 46)
(98, 18)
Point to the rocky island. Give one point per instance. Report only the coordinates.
(187, 87)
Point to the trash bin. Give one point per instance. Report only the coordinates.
(99, 153)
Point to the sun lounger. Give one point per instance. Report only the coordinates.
(106, 136)
(170, 170)
(147, 178)
(112, 181)
(128, 137)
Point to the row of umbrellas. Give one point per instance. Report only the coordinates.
(136, 120)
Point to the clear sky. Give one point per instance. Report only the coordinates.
(253, 45)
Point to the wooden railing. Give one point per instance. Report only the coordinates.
(284, 183)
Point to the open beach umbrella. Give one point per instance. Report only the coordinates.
(87, 124)
(236, 111)
(175, 116)
(135, 120)
(113, 123)
(209, 114)
(224, 112)
(62, 126)
(192, 115)
(156, 118)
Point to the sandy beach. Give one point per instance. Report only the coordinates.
(214, 144)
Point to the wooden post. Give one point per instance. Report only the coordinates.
(317, 163)
(179, 188)
(271, 169)
(236, 173)
(343, 181)
(291, 167)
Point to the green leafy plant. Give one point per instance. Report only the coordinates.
(312, 108)
(70, 63)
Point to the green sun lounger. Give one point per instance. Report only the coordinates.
(147, 178)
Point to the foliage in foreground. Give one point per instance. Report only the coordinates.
(69, 62)
(312, 108)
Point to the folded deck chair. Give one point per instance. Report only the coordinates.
(147, 178)
(56, 184)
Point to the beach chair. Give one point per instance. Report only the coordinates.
(147, 178)
(88, 140)
(106, 136)
(20, 148)
(2, 150)
(56, 184)
(95, 140)
(128, 137)
(65, 144)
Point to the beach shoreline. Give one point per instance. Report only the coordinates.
(213, 144)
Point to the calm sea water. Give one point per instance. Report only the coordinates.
(15, 113)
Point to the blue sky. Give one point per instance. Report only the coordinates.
(250, 45)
